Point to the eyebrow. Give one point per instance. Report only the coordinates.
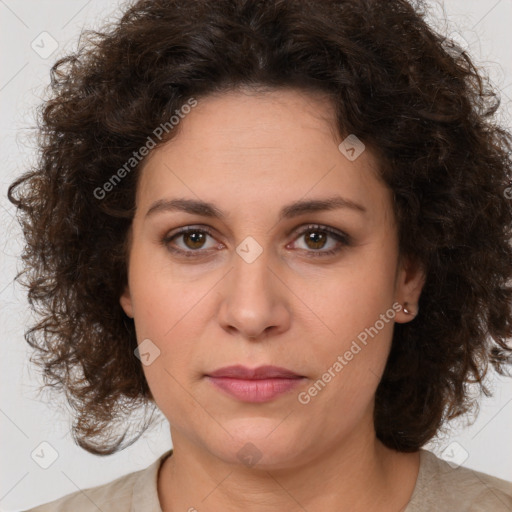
(295, 209)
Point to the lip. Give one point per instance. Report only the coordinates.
(261, 372)
(254, 384)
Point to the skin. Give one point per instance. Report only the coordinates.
(251, 153)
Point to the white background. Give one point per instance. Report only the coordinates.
(25, 421)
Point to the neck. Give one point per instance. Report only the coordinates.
(353, 476)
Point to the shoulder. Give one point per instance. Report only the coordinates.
(119, 490)
(441, 486)
(126, 493)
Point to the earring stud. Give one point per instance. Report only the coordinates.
(406, 311)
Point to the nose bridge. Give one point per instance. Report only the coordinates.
(252, 303)
(250, 277)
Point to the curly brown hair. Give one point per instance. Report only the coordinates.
(411, 95)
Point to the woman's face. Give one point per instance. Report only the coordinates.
(253, 285)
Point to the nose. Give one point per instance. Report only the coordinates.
(255, 301)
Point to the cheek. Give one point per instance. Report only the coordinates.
(351, 299)
(157, 298)
(357, 319)
(168, 311)
(343, 392)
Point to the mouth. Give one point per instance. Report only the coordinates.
(255, 385)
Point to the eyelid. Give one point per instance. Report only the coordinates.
(295, 231)
(341, 237)
(175, 233)
(322, 227)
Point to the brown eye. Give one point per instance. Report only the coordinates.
(193, 241)
(317, 237)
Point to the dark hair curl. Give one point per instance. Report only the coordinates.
(411, 95)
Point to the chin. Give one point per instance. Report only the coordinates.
(259, 443)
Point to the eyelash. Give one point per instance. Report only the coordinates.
(342, 238)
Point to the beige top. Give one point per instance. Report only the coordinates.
(439, 488)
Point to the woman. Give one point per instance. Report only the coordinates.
(287, 226)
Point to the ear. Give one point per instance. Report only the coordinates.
(409, 283)
(126, 302)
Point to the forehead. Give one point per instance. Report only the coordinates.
(257, 147)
